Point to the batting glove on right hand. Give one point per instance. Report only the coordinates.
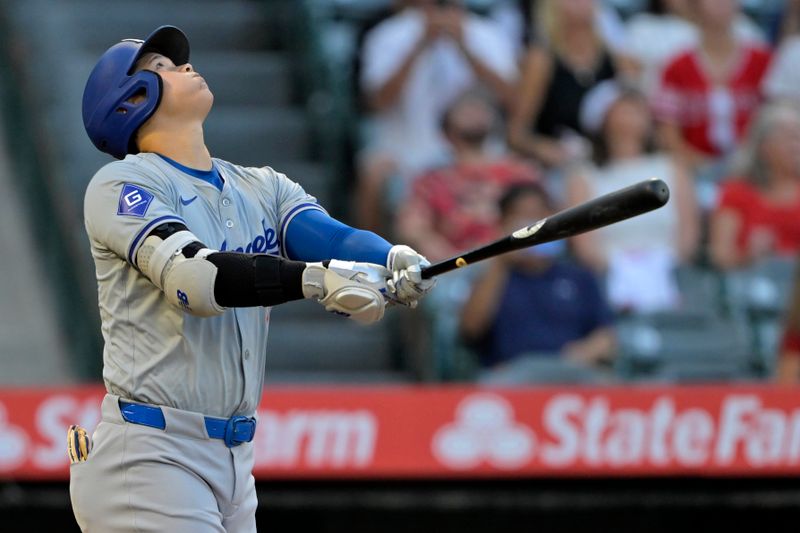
(406, 284)
(350, 289)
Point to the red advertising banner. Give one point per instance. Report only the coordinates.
(441, 432)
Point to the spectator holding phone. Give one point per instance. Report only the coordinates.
(413, 66)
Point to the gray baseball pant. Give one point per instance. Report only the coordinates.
(143, 479)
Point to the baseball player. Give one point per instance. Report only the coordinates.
(191, 252)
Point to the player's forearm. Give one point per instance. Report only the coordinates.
(314, 236)
(203, 282)
(250, 280)
(347, 288)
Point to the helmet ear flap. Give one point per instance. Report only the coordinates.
(152, 93)
(125, 112)
(114, 106)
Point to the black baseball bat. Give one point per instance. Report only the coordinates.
(602, 211)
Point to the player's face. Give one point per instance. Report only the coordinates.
(185, 92)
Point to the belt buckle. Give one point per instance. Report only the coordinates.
(239, 429)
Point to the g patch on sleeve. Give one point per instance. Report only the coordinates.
(133, 201)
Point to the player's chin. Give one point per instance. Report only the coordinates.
(204, 98)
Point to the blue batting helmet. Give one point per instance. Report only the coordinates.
(110, 117)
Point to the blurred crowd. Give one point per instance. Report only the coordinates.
(476, 123)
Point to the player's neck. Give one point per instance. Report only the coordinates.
(185, 146)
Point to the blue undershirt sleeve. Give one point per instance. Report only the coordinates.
(313, 236)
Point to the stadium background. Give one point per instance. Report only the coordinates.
(283, 76)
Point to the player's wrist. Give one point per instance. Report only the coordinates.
(407, 285)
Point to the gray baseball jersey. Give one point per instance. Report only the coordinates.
(154, 352)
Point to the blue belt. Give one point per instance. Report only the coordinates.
(234, 430)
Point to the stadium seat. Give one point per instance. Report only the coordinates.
(758, 296)
(700, 289)
(762, 288)
(683, 346)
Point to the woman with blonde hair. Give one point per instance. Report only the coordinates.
(758, 212)
(568, 59)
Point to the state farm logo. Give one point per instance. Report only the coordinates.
(13, 443)
(484, 431)
(315, 438)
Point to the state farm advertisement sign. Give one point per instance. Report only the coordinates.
(438, 432)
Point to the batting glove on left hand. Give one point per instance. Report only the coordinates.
(355, 290)
(407, 285)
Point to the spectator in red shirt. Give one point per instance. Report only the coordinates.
(454, 208)
(758, 214)
(709, 92)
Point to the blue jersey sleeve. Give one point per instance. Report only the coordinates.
(312, 235)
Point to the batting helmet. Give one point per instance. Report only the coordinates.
(110, 116)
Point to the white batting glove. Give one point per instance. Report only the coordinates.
(406, 284)
(354, 290)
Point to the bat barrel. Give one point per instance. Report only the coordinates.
(608, 209)
(605, 210)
